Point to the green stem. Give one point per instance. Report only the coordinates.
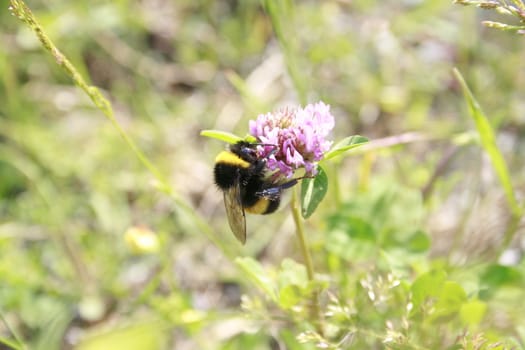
(20, 10)
(300, 235)
(315, 312)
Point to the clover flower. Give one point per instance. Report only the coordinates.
(299, 134)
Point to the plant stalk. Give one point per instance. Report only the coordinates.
(315, 312)
(23, 12)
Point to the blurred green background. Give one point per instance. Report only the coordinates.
(70, 188)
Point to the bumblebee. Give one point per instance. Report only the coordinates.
(241, 174)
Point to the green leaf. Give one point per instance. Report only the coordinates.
(293, 282)
(293, 273)
(340, 244)
(255, 271)
(450, 299)
(289, 296)
(418, 242)
(313, 192)
(221, 135)
(134, 337)
(499, 275)
(488, 141)
(427, 285)
(345, 145)
(472, 312)
(359, 228)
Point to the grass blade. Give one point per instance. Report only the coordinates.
(488, 142)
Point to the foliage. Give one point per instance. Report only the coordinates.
(113, 236)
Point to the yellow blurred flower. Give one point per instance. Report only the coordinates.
(142, 240)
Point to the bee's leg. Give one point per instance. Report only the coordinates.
(275, 191)
(270, 193)
(289, 184)
(293, 182)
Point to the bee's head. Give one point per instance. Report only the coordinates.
(244, 149)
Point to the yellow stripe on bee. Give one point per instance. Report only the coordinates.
(227, 157)
(259, 207)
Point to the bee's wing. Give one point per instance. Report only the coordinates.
(235, 211)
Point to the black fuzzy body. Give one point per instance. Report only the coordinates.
(240, 166)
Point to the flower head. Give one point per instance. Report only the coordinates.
(298, 133)
(142, 240)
